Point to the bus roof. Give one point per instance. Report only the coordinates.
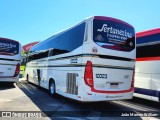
(148, 32)
(112, 19)
(88, 18)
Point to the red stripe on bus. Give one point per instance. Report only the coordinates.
(112, 92)
(148, 32)
(147, 58)
(8, 39)
(112, 19)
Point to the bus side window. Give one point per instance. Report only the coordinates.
(141, 51)
(41, 55)
(153, 50)
(44, 54)
(57, 52)
(30, 58)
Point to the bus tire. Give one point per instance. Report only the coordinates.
(52, 88)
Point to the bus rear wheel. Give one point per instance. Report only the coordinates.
(52, 88)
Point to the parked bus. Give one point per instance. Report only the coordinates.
(23, 61)
(10, 58)
(147, 73)
(22, 67)
(91, 61)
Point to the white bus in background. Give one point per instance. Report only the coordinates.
(147, 73)
(91, 61)
(10, 58)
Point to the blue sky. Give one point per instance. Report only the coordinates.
(36, 20)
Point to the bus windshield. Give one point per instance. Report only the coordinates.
(113, 35)
(8, 47)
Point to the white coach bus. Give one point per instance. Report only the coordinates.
(10, 58)
(91, 61)
(147, 73)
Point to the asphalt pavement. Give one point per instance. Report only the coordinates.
(23, 97)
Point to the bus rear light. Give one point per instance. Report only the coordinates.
(88, 75)
(132, 84)
(17, 71)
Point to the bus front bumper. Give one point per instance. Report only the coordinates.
(96, 96)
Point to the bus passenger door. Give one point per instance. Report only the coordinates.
(36, 76)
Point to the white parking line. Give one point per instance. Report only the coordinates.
(27, 89)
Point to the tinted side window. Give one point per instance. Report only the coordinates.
(62, 43)
(153, 50)
(41, 55)
(148, 51)
(68, 41)
(38, 56)
(65, 42)
(73, 38)
(141, 51)
(57, 52)
(30, 58)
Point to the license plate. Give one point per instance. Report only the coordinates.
(114, 85)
